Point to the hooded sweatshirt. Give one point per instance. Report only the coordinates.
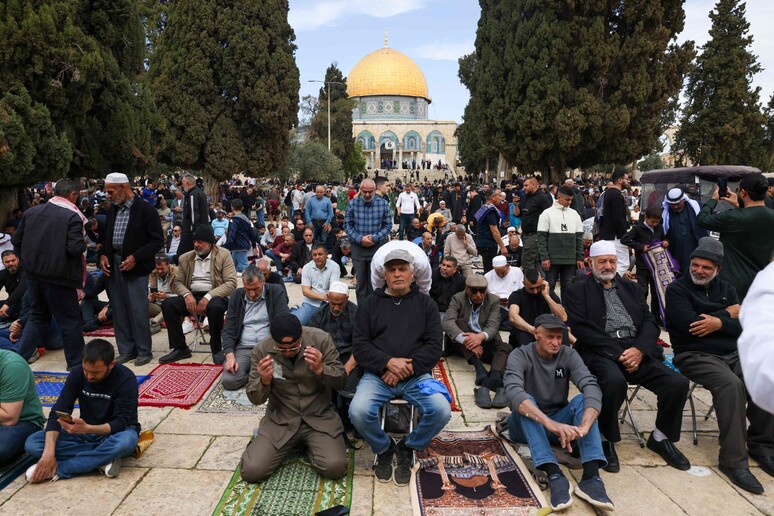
(560, 235)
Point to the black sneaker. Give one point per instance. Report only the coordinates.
(561, 492)
(175, 355)
(593, 491)
(383, 466)
(404, 459)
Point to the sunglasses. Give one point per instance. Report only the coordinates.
(478, 290)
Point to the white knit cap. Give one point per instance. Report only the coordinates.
(337, 287)
(116, 178)
(602, 248)
(499, 261)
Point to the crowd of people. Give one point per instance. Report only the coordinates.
(170, 256)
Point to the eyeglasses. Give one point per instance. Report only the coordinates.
(295, 346)
(478, 290)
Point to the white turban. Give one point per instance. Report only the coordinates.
(337, 287)
(499, 261)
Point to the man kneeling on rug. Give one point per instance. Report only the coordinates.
(107, 428)
(537, 381)
(295, 370)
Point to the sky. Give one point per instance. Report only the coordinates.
(436, 33)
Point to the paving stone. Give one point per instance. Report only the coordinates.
(705, 454)
(764, 502)
(92, 494)
(175, 491)
(456, 363)
(172, 451)
(190, 422)
(392, 500)
(362, 496)
(634, 494)
(224, 453)
(11, 489)
(476, 416)
(150, 417)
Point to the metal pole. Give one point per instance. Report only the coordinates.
(329, 116)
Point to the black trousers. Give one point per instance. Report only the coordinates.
(645, 281)
(495, 350)
(670, 388)
(487, 254)
(174, 310)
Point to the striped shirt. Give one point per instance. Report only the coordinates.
(368, 218)
(121, 222)
(617, 317)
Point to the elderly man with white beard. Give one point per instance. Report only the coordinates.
(704, 326)
(617, 337)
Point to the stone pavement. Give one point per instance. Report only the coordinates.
(194, 455)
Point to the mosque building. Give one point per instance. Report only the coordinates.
(390, 117)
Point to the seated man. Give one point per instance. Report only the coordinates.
(13, 280)
(527, 303)
(316, 278)
(461, 246)
(537, 382)
(397, 342)
(280, 253)
(269, 276)
(422, 273)
(415, 230)
(301, 255)
(159, 289)
(107, 428)
(297, 385)
(503, 281)
(342, 253)
(617, 340)
(21, 413)
(447, 281)
(472, 322)
(430, 249)
(250, 312)
(205, 278)
(173, 242)
(703, 322)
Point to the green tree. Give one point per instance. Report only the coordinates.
(570, 84)
(313, 161)
(769, 135)
(476, 153)
(722, 123)
(224, 77)
(652, 161)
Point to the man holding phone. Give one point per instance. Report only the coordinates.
(107, 428)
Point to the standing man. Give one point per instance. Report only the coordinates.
(530, 208)
(615, 218)
(489, 242)
(50, 242)
(195, 214)
(681, 229)
(318, 214)
(461, 246)
(368, 223)
(457, 204)
(560, 240)
(176, 206)
(408, 207)
(132, 239)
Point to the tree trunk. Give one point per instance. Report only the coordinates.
(211, 187)
(10, 199)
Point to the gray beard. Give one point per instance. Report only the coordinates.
(603, 276)
(702, 282)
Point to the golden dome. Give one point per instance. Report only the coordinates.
(387, 72)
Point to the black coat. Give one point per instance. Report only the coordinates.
(585, 305)
(639, 236)
(443, 289)
(143, 238)
(276, 305)
(198, 199)
(615, 215)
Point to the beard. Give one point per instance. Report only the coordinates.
(602, 275)
(702, 282)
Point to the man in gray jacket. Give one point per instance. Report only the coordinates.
(537, 382)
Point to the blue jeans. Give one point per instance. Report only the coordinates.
(405, 223)
(12, 440)
(261, 217)
(240, 260)
(372, 393)
(277, 260)
(320, 235)
(82, 453)
(305, 312)
(525, 430)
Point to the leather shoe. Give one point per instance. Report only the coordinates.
(143, 359)
(669, 453)
(765, 462)
(125, 357)
(613, 466)
(500, 400)
(743, 478)
(483, 397)
(175, 355)
(218, 358)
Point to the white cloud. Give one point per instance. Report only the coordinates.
(443, 51)
(308, 15)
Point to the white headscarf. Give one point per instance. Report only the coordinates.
(672, 194)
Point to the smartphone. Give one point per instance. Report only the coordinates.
(154, 290)
(722, 187)
(64, 416)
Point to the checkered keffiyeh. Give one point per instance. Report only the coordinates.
(617, 316)
(364, 218)
(121, 222)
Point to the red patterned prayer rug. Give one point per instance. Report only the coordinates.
(178, 385)
(439, 373)
(104, 330)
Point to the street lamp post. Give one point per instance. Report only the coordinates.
(328, 84)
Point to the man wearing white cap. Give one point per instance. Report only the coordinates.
(616, 337)
(680, 229)
(503, 281)
(132, 238)
(423, 273)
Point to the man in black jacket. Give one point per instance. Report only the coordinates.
(133, 236)
(50, 243)
(703, 322)
(195, 214)
(15, 284)
(447, 281)
(615, 218)
(301, 255)
(529, 209)
(250, 312)
(616, 337)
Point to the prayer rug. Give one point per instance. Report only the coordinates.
(178, 385)
(439, 373)
(662, 269)
(49, 386)
(472, 473)
(104, 330)
(236, 402)
(295, 489)
(9, 473)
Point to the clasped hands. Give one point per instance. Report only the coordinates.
(398, 369)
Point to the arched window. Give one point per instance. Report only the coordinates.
(436, 143)
(411, 141)
(366, 139)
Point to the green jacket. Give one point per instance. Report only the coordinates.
(560, 235)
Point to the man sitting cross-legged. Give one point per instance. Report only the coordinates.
(295, 370)
(397, 342)
(316, 278)
(21, 414)
(250, 312)
(107, 428)
(472, 322)
(537, 382)
(447, 281)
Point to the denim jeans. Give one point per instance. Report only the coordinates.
(82, 453)
(305, 312)
(405, 223)
(525, 430)
(240, 260)
(277, 260)
(12, 440)
(261, 217)
(372, 393)
(320, 235)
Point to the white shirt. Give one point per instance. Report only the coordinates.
(503, 287)
(756, 347)
(408, 203)
(423, 274)
(200, 279)
(319, 279)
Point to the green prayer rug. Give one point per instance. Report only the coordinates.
(295, 489)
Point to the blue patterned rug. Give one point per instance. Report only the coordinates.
(49, 386)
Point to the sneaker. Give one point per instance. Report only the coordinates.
(593, 491)
(561, 491)
(175, 355)
(188, 326)
(112, 469)
(383, 466)
(31, 471)
(404, 461)
(205, 324)
(34, 358)
(218, 358)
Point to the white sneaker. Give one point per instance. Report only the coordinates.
(205, 324)
(112, 469)
(188, 326)
(31, 471)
